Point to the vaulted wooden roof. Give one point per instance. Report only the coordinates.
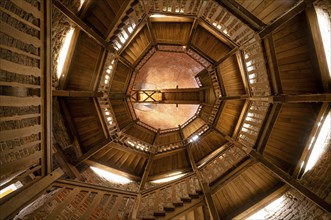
(261, 91)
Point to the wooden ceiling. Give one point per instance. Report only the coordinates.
(248, 79)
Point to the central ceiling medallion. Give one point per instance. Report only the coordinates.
(159, 88)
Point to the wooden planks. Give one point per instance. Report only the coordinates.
(84, 65)
(209, 44)
(267, 10)
(230, 74)
(290, 134)
(229, 116)
(248, 185)
(137, 47)
(297, 71)
(172, 32)
(121, 78)
(85, 121)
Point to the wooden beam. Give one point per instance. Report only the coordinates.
(240, 12)
(168, 153)
(98, 147)
(241, 118)
(288, 179)
(273, 64)
(267, 127)
(92, 187)
(148, 168)
(63, 162)
(216, 153)
(84, 27)
(9, 209)
(284, 18)
(112, 170)
(221, 182)
(72, 93)
(243, 71)
(204, 185)
(319, 54)
(226, 56)
(238, 97)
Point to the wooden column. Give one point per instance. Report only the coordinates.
(148, 168)
(204, 185)
(9, 209)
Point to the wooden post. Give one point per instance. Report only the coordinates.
(148, 168)
(204, 185)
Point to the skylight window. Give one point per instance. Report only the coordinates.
(169, 178)
(324, 23)
(111, 177)
(63, 52)
(272, 207)
(320, 143)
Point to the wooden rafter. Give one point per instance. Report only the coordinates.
(84, 27)
(268, 126)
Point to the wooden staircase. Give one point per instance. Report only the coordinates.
(171, 200)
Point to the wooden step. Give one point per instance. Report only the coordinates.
(159, 213)
(178, 204)
(169, 208)
(186, 199)
(194, 195)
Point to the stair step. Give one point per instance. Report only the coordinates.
(177, 204)
(159, 213)
(186, 199)
(194, 195)
(169, 208)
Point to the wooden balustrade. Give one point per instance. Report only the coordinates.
(252, 123)
(24, 105)
(220, 165)
(188, 7)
